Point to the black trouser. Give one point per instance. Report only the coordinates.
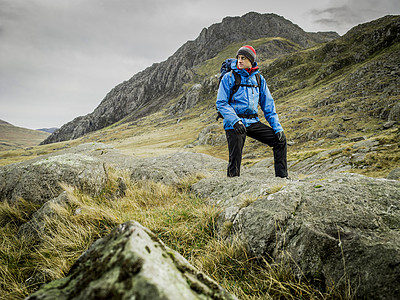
(264, 134)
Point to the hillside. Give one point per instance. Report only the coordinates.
(329, 96)
(12, 137)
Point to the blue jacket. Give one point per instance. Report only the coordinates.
(246, 99)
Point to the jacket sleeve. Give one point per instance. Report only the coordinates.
(268, 107)
(224, 92)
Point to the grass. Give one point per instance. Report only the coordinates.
(184, 222)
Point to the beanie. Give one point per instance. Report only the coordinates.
(247, 51)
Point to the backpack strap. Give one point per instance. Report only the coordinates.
(258, 78)
(235, 89)
(236, 85)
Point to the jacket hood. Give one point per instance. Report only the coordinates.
(244, 72)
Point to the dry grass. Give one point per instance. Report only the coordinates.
(168, 211)
(228, 262)
(184, 222)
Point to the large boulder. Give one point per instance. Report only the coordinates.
(85, 167)
(341, 229)
(39, 180)
(172, 168)
(35, 229)
(169, 168)
(132, 263)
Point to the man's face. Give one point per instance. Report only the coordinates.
(243, 62)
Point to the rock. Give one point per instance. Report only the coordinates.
(212, 135)
(305, 120)
(394, 174)
(357, 139)
(394, 114)
(346, 118)
(172, 168)
(389, 124)
(38, 180)
(369, 145)
(132, 263)
(85, 167)
(187, 101)
(322, 162)
(333, 135)
(34, 229)
(343, 227)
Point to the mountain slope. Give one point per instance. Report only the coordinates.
(337, 101)
(12, 137)
(154, 87)
(355, 76)
(320, 89)
(340, 99)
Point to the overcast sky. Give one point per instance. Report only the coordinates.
(59, 58)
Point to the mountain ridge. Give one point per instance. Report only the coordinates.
(161, 82)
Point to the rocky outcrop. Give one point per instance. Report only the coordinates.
(132, 263)
(35, 228)
(187, 101)
(332, 228)
(211, 135)
(340, 230)
(152, 88)
(39, 180)
(85, 167)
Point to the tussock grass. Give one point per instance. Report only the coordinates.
(248, 277)
(183, 221)
(17, 213)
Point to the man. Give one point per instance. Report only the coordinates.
(240, 113)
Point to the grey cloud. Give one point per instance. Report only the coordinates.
(350, 13)
(59, 59)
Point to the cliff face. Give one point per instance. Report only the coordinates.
(155, 86)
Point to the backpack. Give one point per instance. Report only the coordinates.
(226, 68)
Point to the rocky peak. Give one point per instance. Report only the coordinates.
(154, 87)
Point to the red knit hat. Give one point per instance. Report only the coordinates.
(247, 51)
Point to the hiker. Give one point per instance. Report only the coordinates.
(239, 110)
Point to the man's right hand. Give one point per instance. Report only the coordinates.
(239, 128)
(281, 136)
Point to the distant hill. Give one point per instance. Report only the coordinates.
(3, 122)
(12, 137)
(48, 130)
